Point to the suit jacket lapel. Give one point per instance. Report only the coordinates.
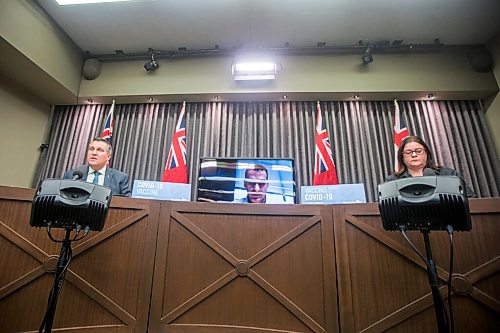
(108, 177)
(84, 169)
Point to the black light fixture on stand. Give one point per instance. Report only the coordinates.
(424, 204)
(151, 64)
(70, 205)
(367, 56)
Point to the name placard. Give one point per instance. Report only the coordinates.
(147, 189)
(333, 194)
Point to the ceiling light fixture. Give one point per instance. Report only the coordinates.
(367, 56)
(430, 96)
(151, 65)
(84, 2)
(254, 71)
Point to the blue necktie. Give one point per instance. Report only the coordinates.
(96, 177)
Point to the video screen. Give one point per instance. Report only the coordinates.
(247, 180)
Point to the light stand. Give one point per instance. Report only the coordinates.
(425, 204)
(440, 311)
(67, 204)
(62, 265)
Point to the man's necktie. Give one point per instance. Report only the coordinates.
(96, 178)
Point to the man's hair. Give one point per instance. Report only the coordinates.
(99, 139)
(257, 167)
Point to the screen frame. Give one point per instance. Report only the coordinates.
(202, 159)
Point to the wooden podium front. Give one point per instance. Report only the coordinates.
(244, 268)
(108, 283)
(200, 267)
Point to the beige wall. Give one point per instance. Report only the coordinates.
(23, 124)
(27, 29)
(447, 74)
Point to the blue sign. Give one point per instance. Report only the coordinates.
(146, 189)
(333, 194)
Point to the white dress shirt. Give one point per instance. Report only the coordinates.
(90, 176)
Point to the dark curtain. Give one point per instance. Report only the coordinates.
(361, 134)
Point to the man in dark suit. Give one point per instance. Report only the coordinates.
(96, 171)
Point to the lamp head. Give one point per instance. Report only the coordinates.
(63, 203)
(151, 64)
(367, 56)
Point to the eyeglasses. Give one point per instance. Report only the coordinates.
(418, 151)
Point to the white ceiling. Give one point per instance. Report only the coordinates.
(167, 25)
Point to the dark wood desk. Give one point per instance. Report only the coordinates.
(163, 266)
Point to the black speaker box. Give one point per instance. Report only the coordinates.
(480, 59)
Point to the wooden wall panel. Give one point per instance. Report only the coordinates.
(383, 284)
(108, 283)
(243, 268)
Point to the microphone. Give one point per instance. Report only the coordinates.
(77, 175)
(429, 172)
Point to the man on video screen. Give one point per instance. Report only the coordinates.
(256, 184)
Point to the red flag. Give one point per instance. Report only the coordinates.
(400, 132)
(176, 169)
(324, 168)
(107, 133)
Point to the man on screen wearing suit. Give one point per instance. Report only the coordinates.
(96, 171)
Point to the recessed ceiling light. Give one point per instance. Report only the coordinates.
(150, 99)
(430, 96)
(355, 96)
(84, 2)
(216, 98)
(90, 101)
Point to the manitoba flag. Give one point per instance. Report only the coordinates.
(400, 132)
(176, 169)
(324, 168)
(107, 133)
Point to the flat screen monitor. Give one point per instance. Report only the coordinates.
(247, 180)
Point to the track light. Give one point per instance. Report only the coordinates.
(367, 56)
(151, 65)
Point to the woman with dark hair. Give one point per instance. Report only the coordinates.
(414, 156)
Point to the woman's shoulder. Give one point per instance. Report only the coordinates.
(444, 171)
(391, 177)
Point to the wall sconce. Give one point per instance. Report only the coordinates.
(254, 71)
